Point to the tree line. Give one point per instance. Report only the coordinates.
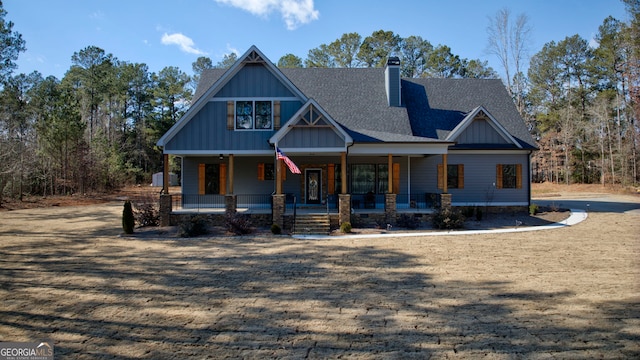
(96, 128)
(583, 104)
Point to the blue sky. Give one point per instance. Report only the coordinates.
(163, 33)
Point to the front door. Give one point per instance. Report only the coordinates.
(313, 186)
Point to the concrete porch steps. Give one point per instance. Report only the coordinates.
(312, 224)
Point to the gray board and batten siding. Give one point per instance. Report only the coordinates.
(207, 130)
(479, 178)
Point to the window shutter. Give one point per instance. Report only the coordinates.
(201, 172)
(331, 184)
(440, 177)
(276, 115)
(396, 178)
(261, 171)
(499, 176)
(230, 115)
(519, 176)
(460, 176)
(223, 179)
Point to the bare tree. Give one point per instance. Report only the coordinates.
(509, 41)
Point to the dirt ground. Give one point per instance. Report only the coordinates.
(67, 274)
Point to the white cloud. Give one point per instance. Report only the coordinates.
(96, 15)
(233, 50)
(294, 12)
(184, 42)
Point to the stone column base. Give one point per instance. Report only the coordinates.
(278, 210)
(230, 204)
(445, 201)
(344, 208)
(390, 211)
(165, 210)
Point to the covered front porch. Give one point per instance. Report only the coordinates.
(284, 194)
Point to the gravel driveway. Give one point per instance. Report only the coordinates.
(572, 292)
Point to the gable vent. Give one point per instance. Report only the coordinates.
(392, 81)
(253, 58)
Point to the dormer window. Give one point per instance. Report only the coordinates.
(254, 115)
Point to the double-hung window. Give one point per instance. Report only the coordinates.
(254, 115)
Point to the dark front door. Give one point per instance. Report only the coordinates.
(313, 186)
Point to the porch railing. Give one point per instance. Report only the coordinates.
(197, 202)
(417, 201)
(367, 201)
(254, 201)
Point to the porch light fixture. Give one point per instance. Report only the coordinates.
(221, 157)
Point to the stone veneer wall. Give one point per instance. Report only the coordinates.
(218, 219)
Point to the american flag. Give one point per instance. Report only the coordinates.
(292, 167)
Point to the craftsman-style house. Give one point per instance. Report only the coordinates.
(363, 140)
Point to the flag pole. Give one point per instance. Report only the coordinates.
(278, 165)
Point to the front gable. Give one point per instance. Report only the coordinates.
(205, 126)
(480, 127)
(311, 129)
(254, 80)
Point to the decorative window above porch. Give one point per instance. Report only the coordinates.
(254, 115)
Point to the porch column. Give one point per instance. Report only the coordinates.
(344, 199)
(390, 174)
(278, 178)
(445, 198)
(165, 174)
(230, 173)
(343, 172)
(444, 173)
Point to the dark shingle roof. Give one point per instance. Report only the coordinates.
(357, 100)
(207, 79)
(436, 106)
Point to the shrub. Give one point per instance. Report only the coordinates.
(238, 224)
(275, 229)
(128, 221)
(467, 211)
(345, 227)
(407, 221)
(194, 226)
(533, 209)
(146, 212)
(448, 219)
